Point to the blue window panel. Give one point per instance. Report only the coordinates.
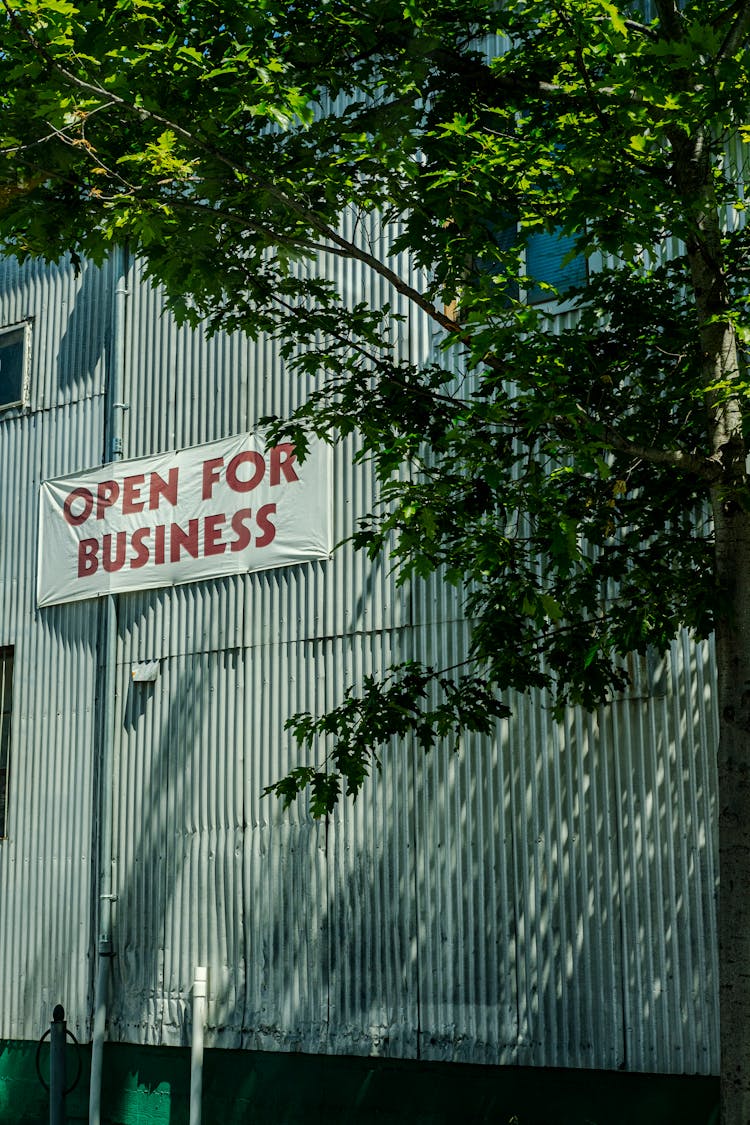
(546, 260)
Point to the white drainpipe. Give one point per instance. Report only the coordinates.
(200, 1001)
(104, 806)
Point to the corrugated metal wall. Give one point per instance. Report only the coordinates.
(46, 861)
(546, 898)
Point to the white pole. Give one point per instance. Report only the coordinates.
(200, 998)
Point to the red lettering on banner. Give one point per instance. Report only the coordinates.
(88, 563)
(264, 523)
(88, 504)
(159, 533)
(159, 487)
(112, 550)
(240, 529)
(109, 562)
(107, 492)
(211, 475)
(128, 527)
(249, 456)
(283, 457)
(131, 495)
(212, 541)
(138, 543)
(179, 539)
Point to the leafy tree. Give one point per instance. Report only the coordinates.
(225, 141)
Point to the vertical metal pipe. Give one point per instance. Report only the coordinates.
(57, 1081)
(113, 452)
(200, 997)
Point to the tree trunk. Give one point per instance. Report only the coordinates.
(732, 529)
(731, 520)
(722, 365)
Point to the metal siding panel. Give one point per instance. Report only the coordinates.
(70, 318)
(561, 887)
(263, 897)
(141, 839)
(608, 946)
(666, 845)
(285, 875)
(546, 898)
(45, 864)
(194, 860)
(371, 916)
(469, 1008)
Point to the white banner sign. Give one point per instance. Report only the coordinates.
(225, 508)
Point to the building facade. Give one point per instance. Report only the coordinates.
(545, 899)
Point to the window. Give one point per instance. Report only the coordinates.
(551, 258)
(13, 365)
(6, 700)
(545, 258)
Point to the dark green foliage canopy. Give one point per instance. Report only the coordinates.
(563, 480)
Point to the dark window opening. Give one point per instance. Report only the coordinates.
(6, 701)
(12, 366)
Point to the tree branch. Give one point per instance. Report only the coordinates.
(737, 33)
(707, 469)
